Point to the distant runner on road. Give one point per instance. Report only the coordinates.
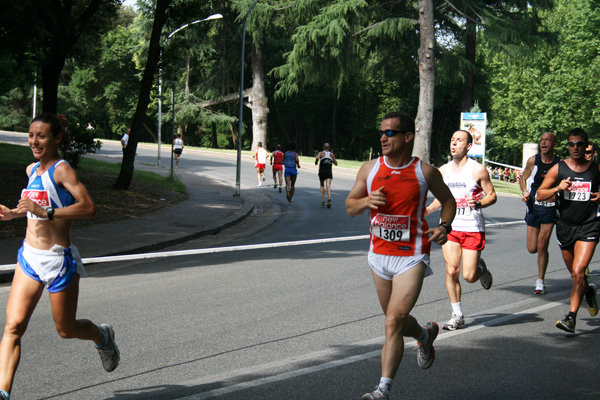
(325, 159)
(291, 161)
(260, 155)
(276, 161)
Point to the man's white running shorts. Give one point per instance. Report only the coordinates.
(386, 267)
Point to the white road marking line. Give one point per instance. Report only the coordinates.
(162, 254)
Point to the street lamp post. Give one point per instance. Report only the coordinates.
(239, 144)
(214, 16)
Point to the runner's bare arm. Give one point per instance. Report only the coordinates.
(84, 207)
(524, 176)
(547, 188)
(435, 204)
(359, 200)
(482, 177)
(444, 197)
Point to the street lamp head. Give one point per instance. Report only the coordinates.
(215, 16)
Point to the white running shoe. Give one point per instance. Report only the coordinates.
(377, 394)
(540, 287)
(486, 276)
(259, 184)
(456, 322)
(109, 352)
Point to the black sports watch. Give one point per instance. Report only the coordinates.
(477, 205)
(50, 212)
(447, 227)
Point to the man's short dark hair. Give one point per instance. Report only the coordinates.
(578, 132)
(469, 136)
(406, 123)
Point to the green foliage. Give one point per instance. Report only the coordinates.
(555, 90)
(82, 142)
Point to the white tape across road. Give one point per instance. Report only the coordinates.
(161, 254)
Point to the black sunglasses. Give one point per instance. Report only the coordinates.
(573, 144)
(390, 132)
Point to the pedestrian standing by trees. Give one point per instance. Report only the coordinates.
(327, 159)
(393, 188)
(541, 215)
(291, 162)
(53, 198)
(575, 183)
(125, 139)
(177, 148)
(468, 181)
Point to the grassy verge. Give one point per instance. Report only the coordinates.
(506, 187)
(500, 186)
(15, 155)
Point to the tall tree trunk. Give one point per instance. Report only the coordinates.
(424, 120)
(259, 101)
(334, 113)
(51, 69)
(126, 174)
(64, 29)
(468, 90)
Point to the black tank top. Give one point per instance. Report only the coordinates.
(539, 172)
(574, 205)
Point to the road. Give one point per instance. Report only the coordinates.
(303, 321)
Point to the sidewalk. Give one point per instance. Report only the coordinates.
(209, 208)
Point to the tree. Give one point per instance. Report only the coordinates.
(126, 172)
(508, 25)
(64, 22)
(424, 120)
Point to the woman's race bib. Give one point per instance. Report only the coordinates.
(37, 196)
(393, 228)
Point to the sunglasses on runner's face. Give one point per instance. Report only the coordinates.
(390, 132)
(589, 152)
(578, 144)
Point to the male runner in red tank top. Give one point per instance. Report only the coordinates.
(393, 188)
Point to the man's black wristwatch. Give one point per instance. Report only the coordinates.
(50, 212)
(447, 227)
(477, 205)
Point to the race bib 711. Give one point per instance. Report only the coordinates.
(462, 207)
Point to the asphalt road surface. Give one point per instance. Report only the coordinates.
(302, 321)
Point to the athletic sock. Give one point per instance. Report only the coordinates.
(572, 315)
(457, 309)
(386, 384)
(103, 340)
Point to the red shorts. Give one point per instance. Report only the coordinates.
(468, 240)
(277, 167)
(260, 166)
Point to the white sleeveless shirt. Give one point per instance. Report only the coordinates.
(462, 184)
